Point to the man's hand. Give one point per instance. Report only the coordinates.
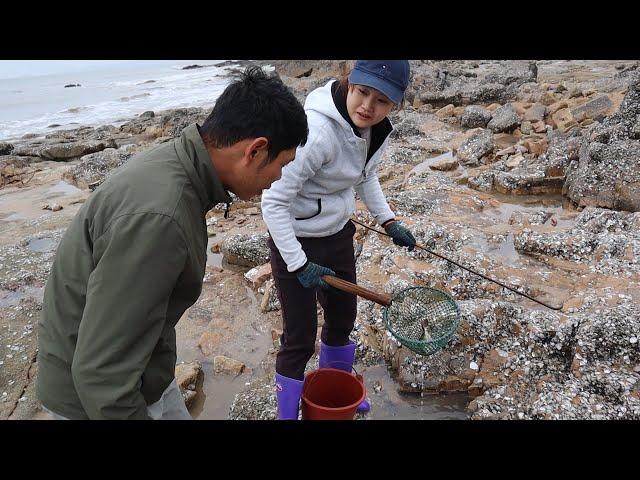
(400, 234)
(310, 275)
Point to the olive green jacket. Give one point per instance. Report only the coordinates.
(129, 265)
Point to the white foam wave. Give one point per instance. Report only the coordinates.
(188, 88)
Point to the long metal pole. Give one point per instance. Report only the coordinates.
(465, 268)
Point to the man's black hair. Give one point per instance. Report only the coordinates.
(257, 105)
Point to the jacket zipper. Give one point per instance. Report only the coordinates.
(364, 169)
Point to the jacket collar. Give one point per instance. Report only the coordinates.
(196, 161)
(379, 132)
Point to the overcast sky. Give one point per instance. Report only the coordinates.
(22, 68)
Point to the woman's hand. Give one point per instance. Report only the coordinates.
(309, 276)
(400, 234)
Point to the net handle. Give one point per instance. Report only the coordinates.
(380, 298)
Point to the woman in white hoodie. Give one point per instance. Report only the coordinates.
(307, 213)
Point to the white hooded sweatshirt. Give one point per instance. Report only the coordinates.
(315, 196)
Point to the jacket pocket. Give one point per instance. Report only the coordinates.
(315, 214)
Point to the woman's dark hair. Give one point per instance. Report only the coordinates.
(343, 85)
(257, 105)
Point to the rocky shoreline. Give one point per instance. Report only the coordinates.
(525, 171)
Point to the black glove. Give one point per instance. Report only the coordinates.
(401, 235)
(309, 276)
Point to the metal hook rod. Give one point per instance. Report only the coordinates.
(465, 268)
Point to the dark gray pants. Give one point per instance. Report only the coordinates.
(299, 308)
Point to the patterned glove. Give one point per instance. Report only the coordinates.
(310, 275)
(401, 235)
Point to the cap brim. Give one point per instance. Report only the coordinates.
(392, 92)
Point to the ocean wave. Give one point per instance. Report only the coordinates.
(76, 109)
(133, 97)
(190, 88)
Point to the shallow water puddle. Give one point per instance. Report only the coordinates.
(250, 344)
(424, 166)
(529, 204)
(9, 298)
(213, 259)
(504, 251)
(13, 217)
(64, 188)
(42, 244)
(217, 391)
(387, 403)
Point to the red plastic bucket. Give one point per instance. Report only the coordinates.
(331, 394)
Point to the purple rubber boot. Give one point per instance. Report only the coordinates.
(288, 392)
(342, 359)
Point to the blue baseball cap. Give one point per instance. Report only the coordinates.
(391, 77)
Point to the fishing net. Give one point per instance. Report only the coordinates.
(422, 319)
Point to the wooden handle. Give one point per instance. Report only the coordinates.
(380, 298)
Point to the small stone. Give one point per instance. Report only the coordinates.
(537, 148)
(557, 106)
(506, 151)
(475, 116)
(445, 165)
(228, 366)
(258, 275)
(473, 366)
(187, 373)
(54, 207)
(633, 340)
(189, 396)
(504, 119)
(514, 161)
(563, 119)
(536, 113)
(539, 127)
(445, 112)
(575, 92)
(209, 342)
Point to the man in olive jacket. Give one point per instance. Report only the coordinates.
(133, 259)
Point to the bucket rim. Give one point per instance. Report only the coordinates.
(358, 377)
